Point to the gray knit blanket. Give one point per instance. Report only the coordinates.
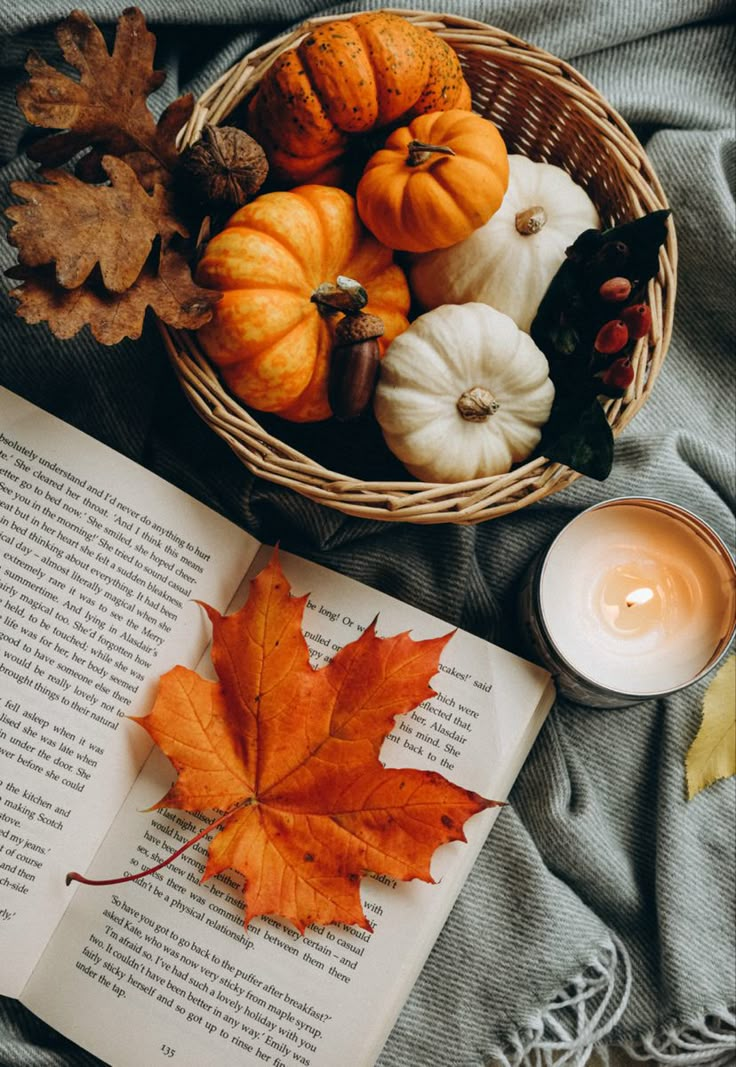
(600, 912)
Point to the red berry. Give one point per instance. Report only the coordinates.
(611, 337)
(620, 374)
(615, 290)
(638, 319)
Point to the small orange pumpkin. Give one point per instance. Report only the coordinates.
(270, 341)
(345, 78)
(435, 181)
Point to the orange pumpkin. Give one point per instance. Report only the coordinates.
(270, 341)
(345, 78)
(435, 181)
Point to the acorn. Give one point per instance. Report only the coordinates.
(354, 363)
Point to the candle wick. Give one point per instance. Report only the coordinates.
(639, 596)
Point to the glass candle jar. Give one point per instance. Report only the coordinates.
(635, 598)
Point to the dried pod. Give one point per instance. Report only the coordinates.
(638, 319)
(615, 290)
(620, 374)
(226, 166)
(354, 365)
(611, 337)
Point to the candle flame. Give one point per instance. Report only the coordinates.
(639, 596)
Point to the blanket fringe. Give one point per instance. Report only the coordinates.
(578, 1018)
(711, 1041)
(574, 1025)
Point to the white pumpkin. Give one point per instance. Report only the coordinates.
(463, 393)
(510, 261)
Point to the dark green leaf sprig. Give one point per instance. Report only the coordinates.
(568, 325)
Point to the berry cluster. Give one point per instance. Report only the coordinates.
(633, 321)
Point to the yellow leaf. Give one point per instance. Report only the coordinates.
(712, 754)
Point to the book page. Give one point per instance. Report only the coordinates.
(169, 956)
(100, 562)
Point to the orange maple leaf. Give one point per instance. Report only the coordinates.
(290, 752)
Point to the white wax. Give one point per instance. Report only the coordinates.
(635, 599)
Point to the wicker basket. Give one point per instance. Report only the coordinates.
(545, 110)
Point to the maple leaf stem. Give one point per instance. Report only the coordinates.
(74, 876)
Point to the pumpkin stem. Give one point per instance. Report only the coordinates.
(419, 152)
(344, 295)
(531, 220)
(477, 403)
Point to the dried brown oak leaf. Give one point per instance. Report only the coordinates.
(105, 110)
(77, 226)
(165, 285)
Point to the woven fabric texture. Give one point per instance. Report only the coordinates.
(601, 909)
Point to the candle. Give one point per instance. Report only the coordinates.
(635, 598)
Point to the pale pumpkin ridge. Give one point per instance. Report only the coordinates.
(312, 270)
(277, 287)
(320, 326)
(258, 347)
(266, 232)
(440, 340)
(358, 237)
(300, 256)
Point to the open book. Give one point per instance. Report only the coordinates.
(100, 564)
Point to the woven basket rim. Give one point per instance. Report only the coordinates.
(411, 500)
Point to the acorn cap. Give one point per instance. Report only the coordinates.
(352, 329)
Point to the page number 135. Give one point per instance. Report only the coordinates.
(168, 1050)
